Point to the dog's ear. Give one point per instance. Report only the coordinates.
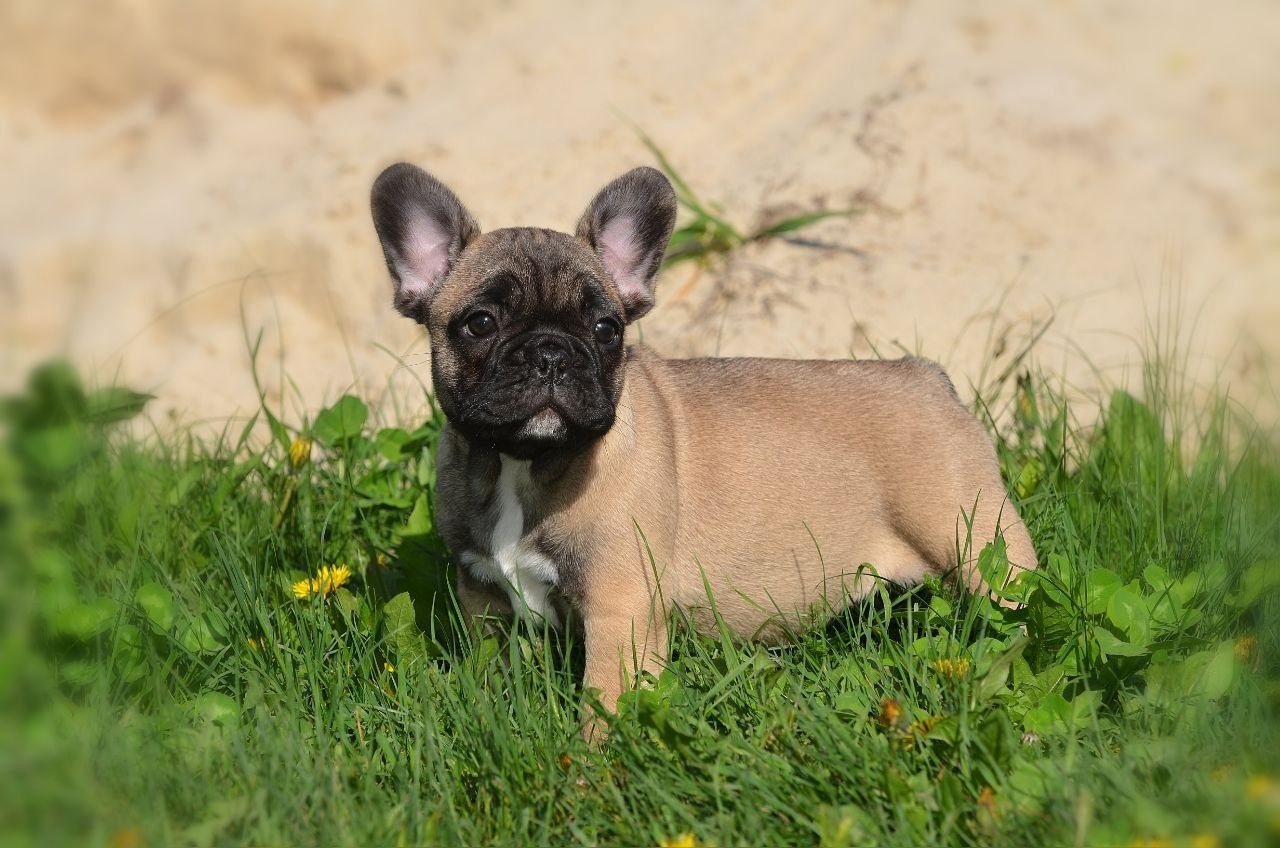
(423, 227)
(628, 225)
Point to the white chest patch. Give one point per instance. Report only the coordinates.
(514, 563)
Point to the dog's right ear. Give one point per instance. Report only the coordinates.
(423, 227)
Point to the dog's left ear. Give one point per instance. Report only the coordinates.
(628, 225)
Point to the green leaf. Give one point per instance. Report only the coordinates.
(341, 422)
(856, 703)
(127, 650)
(846, 825)
(84, 621)
(390, 443)
(1217, 670)
(1157, 578)
(1206, 675)
(115, 404)
(199, 637)
(55, 450)
(215, 708)
(993, 564)
(1113, 646)
(993, 680)
(403, 632)
(419, 523)
(56, 396)
(1184, 590)
(157, 604)
(346, 601)
(1029, 477)
(1259, 580)
(1102, 584)
(799, 222)
(1128, 612)
(232, 481)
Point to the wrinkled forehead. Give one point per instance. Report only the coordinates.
(543, 269)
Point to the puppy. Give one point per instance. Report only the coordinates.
(582, 474)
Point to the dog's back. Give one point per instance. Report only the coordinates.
(836, 464)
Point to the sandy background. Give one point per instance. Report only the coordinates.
(178, 177)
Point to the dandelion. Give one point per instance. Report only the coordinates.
(1150, 842)
(891, 713)
(1259, 786)
(300, 451)
(327, 579)
(1246, 647)
(1205, 840)
(956, 669)
(684, 840)
(129, 837)
(389, 668)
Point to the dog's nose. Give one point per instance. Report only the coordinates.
(550, 356)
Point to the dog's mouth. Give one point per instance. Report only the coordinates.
(546, 425)
(551, 425)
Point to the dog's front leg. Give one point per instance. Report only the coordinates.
(625, 634)
(480, 602)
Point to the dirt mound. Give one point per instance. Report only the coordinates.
(183, 178)
(78, 65)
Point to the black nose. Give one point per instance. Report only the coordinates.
(550, 356)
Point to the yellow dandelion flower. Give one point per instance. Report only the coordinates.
(956, 669)
(300, 451)
(327, 579)
(891, 713)
(684, 840)
(1259, 786)
(129, 837)
(1150, 842)
(1205, 840)
(1246, 646)
(389, 668)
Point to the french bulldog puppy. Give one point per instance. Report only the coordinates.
(582, 474)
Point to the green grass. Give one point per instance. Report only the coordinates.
(706, 234)
(161, 685)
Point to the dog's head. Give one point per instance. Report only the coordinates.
(527, 325)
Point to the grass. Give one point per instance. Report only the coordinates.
(705, 235)
(161, 683)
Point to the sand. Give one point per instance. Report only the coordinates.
(184, 179)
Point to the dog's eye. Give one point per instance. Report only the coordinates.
(606, 332)
(481, 324)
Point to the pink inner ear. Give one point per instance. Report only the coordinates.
(424, 256)
(621, 255)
